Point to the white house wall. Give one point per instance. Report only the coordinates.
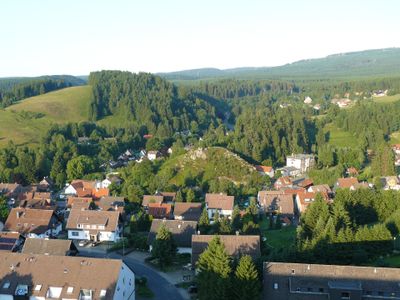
(125, 288)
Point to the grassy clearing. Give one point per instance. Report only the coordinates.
(278, 238)
(387, 99)
(395, 137)
(26, 122)
(339, 137)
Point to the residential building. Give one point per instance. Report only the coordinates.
(37, 223)
(294, 281)
(86, 188)
(10, 190)
(182, 232)
(111, 203)
(10, 241)
(277, 202)
(79, 202)
(160, 210)
(29, 276)
(159, 197)
(111, 180)
(235, 245)
(49, 247)
(349, 183)
(266, 170)
(283, 182)
(153, 155)
(304, 199)
(46, 184)
(320, 188)
(221, 203)
(391, 183)
(302, 162)
(187, 211)
(94, 225)
(289, 171)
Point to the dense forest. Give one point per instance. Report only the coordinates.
(15, 89)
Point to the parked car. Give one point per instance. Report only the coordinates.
(83, 243)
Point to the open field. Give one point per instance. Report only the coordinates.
(27, 121)
(387, 99)
(66, 105)
(339, 137)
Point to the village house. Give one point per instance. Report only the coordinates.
(302, 162)
(283, 182)
(304, 183)
(352, 172)
(295, 281)
(349, 183)
(49, 247)
(235, 245)
(46, 184)
(187, 211)
(30, 276)
(10, 241)
(111, 203)
(94, 225)
(160, 210)
(321, 188)
(265, 170)
(277, 202)
(10, 190)
(111, 180)
(36, 223)
(79, 202)
(153, 155)
(304, 199)
(289, 171)
(86, 188)
(181, 231)
(221, 203)
(159, 197)
(391, 183)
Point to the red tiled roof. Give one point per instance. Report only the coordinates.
(265, 169)
(347, 182)
(160, 210)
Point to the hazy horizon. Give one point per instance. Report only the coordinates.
(75, 37)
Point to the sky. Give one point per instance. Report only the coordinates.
(45, 37)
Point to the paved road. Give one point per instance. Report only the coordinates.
(162, 289)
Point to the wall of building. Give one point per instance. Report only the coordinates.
(125, 288)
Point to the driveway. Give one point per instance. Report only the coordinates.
(162, 289)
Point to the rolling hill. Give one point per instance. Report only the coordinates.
(362, 64)
(26, 121)
(213, 163)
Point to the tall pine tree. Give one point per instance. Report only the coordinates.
(246, 283)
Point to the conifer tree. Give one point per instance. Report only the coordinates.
(246, 283)
(204, 221)
(214, 272)
(164, 247)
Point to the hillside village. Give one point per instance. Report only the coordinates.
(86, 216)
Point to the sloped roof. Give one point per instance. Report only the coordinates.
(59, 271)
(152, 199)
(317, 276)
(109, 219)
(277, 201)
(160, 210)
(265, 169)
(182, 231)
(8, 240)
(48, 246)
(28, 220)
(235, 245)
(220, 201)
(322, 188)
(188, 211)
(79, 202)
(347, 182)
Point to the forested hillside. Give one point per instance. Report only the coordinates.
(370, 63)
(149, 102)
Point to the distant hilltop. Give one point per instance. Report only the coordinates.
(368, 63)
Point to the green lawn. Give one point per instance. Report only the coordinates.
(395, 137)
(339, 137)
(387, 99)
(278, 238)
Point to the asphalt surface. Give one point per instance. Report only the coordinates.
(162, 289)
